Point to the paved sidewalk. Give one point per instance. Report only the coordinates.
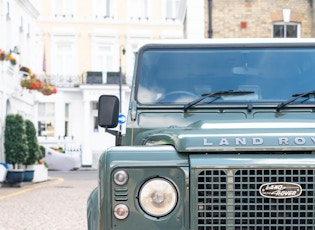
(59, 203)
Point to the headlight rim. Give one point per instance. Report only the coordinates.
(172, 207)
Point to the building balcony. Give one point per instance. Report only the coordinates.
(89, 78)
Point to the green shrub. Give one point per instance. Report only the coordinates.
(34, 151)
(43, 151)
(15, 140)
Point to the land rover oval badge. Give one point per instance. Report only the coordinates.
(280, 190)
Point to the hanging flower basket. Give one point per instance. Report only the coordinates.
(48, 90)
(32, 83)
(2, 55)
(11, 59)
(26, 71)
(7, 57)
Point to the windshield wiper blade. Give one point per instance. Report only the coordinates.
(295, 97)
(217, 95)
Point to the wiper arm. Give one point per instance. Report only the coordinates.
(295, 97)
(217, 95)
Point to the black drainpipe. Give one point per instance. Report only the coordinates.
(210, 18)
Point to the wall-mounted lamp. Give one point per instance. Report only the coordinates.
(286, 13)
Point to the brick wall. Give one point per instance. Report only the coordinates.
(254, 18)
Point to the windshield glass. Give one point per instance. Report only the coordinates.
(179, 76)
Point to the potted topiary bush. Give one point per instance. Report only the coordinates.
(15, 147)
(34, 151)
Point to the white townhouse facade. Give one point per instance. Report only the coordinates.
(83, 49)
(18, 22)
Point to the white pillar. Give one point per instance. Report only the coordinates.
(60, 119)
(86, 147)
(195, 19)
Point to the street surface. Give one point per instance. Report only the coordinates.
(59, 203)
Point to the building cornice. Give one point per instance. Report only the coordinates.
(111, 22)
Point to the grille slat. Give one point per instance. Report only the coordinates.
(230, 199)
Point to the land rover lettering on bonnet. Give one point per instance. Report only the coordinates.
(220, 141)
(219, 135)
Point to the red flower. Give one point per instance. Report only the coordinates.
(54, 90)
(33, 85)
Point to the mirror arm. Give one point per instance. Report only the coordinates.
(117, 135)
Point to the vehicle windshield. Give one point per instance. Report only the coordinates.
(182, 75)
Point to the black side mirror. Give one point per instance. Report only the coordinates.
(108, 111)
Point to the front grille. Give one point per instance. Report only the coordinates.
(229, 199)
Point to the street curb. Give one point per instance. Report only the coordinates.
(22, 184)
(33, 186)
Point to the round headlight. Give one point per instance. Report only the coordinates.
(158, 197)
(120, 177)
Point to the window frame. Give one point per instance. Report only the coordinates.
(110, 9)
(285, 24)
(46, 117)
(104, 61)
(66, 39)
(66, 8)
(134, 10)
(172, 14)
(94, 111)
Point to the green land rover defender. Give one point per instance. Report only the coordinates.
(220, 135)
